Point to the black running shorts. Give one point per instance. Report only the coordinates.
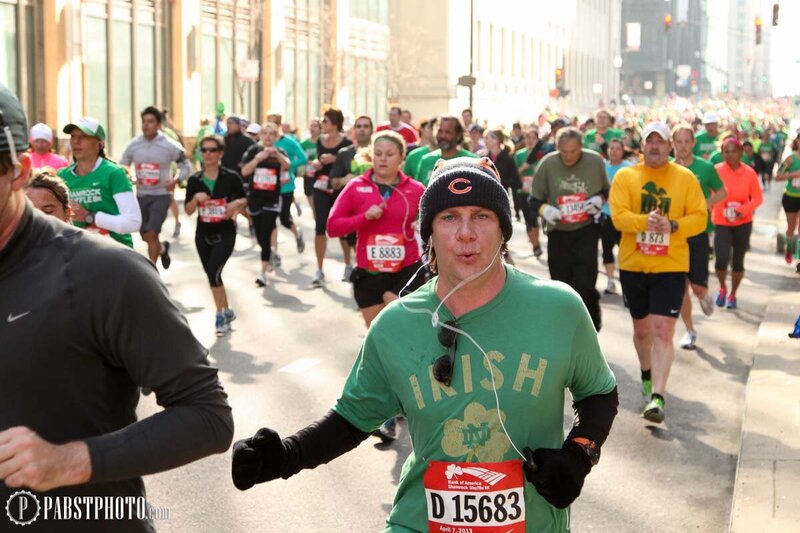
(653, 294)
(368, 287)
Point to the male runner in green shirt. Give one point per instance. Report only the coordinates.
(480, 374)
(450, 137)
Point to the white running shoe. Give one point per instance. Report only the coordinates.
(707, 305)
(348, 269)
(611, 287)
(319, 280)
(261, 280)
(689, 339)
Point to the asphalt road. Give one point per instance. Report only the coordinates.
(286, 360)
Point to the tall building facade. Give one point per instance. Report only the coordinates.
(509, 50)
(111, 58)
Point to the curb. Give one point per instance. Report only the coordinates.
(767, 477)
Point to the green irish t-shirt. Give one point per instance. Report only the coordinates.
(709, 181)
(704, 144)
(412, 160)
(309, 146)
(590, 139)
(428, 161)
(534, 351)
(95, 192)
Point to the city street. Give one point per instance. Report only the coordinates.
(284, 364)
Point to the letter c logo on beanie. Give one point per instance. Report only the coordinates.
(462, 190)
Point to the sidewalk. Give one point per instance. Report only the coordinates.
(767, 482)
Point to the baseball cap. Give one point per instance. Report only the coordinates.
(710, 118)
(475, 127)
(41, 131)
(464, 181)
(87, 125)
(253, 128)
(12, 117)
(656, 127)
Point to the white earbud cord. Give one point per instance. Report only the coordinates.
(436, 323)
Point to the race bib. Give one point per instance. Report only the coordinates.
(527, 184)
(385, 253)
(148, 174)
(729, 211)
(284, 177)
(652, 242)
(265, 179)
(322, 183)
(766, 156)
(475, 497)
(572, 208)
(213, 211)
(796, 183)
(94, 229)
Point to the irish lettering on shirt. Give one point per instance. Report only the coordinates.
(571, 185)
(528, 377)
(86, 196)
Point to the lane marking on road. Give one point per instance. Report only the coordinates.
(301, 365)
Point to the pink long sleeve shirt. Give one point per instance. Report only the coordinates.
(394, 228)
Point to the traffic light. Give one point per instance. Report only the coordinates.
(667, 22)
(776, 8)
(758, 30)
(560, 90)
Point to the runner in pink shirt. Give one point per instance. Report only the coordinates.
(42, 153)
(380, 206)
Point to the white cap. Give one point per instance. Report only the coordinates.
(710, 118)
(656, 127)
(253, 128)
(41, 131)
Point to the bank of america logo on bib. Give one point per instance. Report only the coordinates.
(22, 508)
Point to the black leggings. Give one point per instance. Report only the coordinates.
(286, 209)
(730, 245)
(264, 225)
(572, 258)
(323, 202)
(609, 236)
(214, 251)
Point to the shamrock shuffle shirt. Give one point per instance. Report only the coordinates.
(539, 340)
(95, 192)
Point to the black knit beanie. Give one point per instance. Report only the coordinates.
(464, 181)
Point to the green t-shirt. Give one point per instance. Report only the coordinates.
(412, 160)
(704, 144)
(309, 146)
(590, 139)
(791, 164)
(428, 161)
(519, 158)
(95, 192)
(536, 351)
(709, 180)
(209, 183)
(715, 157)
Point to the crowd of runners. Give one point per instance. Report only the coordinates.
(424, 213)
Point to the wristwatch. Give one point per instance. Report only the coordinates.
(590, 447)
(89, 219)
(673, 226)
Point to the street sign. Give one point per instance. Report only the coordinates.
(247, 69)
(466, 81)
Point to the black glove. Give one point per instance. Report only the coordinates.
(257, 459)
(557, 473)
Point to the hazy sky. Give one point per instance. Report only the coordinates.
(785, 49)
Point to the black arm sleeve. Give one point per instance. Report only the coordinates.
(536, 204)
(594, 416)
(319, 443)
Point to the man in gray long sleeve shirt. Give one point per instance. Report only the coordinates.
(83, 324)
(152, 155)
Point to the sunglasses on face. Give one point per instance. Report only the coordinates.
(209, 150)
(445, 364)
